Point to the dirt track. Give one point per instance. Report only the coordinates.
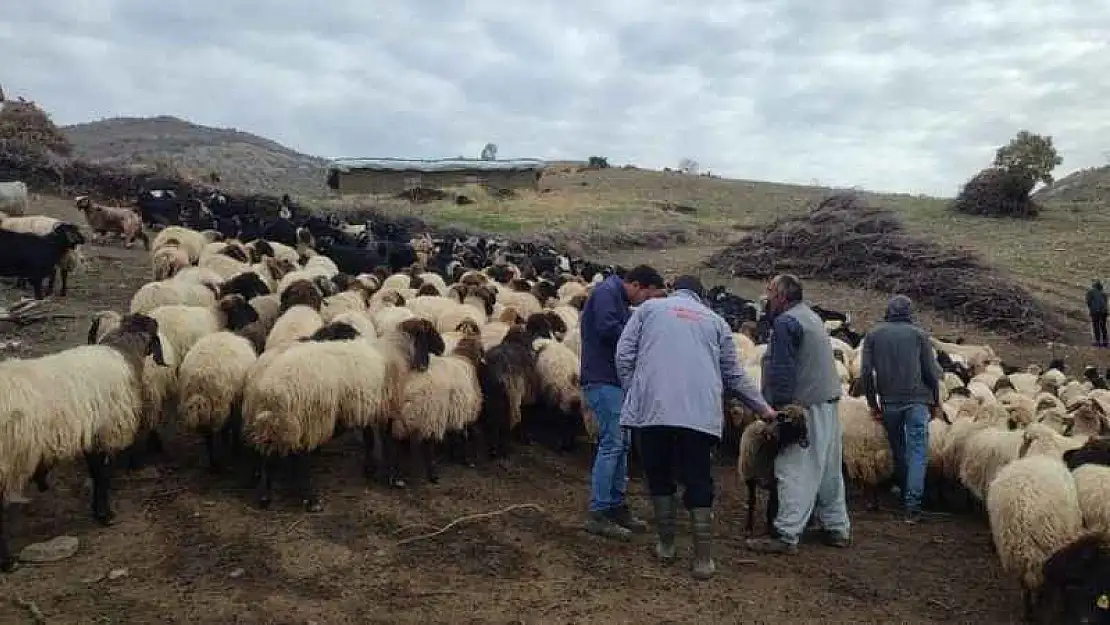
(197, 550)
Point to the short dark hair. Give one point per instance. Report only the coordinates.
(645, 275)
(788, 286)
(689, 283)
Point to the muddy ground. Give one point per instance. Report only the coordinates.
(189, 547)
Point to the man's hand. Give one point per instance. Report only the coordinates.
(769, 414)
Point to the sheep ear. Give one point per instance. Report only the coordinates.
(156, 351)
(94, 329)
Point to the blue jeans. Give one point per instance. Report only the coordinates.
(609, 478)
(907, 429)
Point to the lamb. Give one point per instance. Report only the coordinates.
(445, 400)
(509, 382)
(171, 293)
(212, 377)
(760, 444)
(297, 400)
(1033, 508)
(84, 400)
(104, 219)
(37, 258)
(189, 240)
(1092, 484)
(183, 326)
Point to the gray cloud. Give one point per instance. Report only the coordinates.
(912, 97)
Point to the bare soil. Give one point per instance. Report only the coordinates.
(196, 549)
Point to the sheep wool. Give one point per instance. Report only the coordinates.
(211, 377)
(171, 293)
(867, 457)
(188, 239)
(296, 323)
(1033, 507)
(558, 366)
(445, 398)
(1092, 484)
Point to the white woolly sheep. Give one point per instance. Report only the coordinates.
(190, 240)
(1092, 484)
(171, 293)
(86, 400)
(1033, 508)
(211, 377)
(303, 394)
(557, 366)
(183, 326)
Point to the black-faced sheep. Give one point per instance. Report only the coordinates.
(185, 325)
(760, 444)
(1076, 587)
(86, 400)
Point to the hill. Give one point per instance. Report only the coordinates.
(245, 162)
(1091, 185)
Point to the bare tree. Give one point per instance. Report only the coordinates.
(489, 153)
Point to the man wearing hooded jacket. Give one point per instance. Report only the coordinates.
(900, 371)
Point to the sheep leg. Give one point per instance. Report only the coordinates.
(65, 281)
(99, 472)
(265, 481)
(36, 284)
(428, 450)
(772, 508)
(210, 448)
(473, 443)
(369, 465)
(873, 496)
(749, 526)
(302, 477)
(7, 562)
(391, 457)
(42, 477)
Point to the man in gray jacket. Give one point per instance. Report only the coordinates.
(675, 357)
(798, 368)
(899, 369)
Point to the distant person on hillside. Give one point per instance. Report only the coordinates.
(898, 368)
(799, 368)
(603, 317)
(675, 358)
(1096, 306)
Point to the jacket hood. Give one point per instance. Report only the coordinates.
(899, 308)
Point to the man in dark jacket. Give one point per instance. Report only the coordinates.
(898, 368)
(1096, 305)
(603, 318)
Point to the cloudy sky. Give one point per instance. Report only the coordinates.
(911, 96)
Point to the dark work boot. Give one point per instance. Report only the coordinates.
(601, 524)
(666, 508)
(623, 517)
(701, 525)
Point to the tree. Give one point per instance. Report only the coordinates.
(597, 162)
(27, 128)
(489, 153)
(688, 166)
(1029, 156)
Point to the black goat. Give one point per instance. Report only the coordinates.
(36, 258)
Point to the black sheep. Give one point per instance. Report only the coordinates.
(34, 257)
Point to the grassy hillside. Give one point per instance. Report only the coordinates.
(1091, 185)
(245, 162)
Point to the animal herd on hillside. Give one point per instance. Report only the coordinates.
(272, 335)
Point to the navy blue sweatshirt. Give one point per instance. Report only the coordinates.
(603, 319)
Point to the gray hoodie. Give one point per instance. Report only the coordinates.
(898, 365)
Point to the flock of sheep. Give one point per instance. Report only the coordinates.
(268, 351)
(1028, 445)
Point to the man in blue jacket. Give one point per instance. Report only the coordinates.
(675, 358)
(603, 318)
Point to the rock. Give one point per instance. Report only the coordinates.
(237, 573)
(117, 573)
(53, 550)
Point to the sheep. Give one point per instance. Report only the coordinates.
(300, 316)
(477, 306)
(359, 321)
(988, 450)
(445, 400)
(167, 261)
(509, 382)
(13, 198)
(557, 367)
(185, 325)
(1039, 439)
(295, 403)
(1087, 420)
(1076, 582)
(524, 303)
(43, 226)
(760, 444)
(104, 219)
(84, 400)
(867, 456)
(1092, 484)
(347, 301)
(169, 293)
(494, 332)
(37, 258)
(160, 382)
(1033, 507)
(211, 377)
(198, 275)
(189, 240)
(223, 265)
(249, 284)
(1094, 451)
